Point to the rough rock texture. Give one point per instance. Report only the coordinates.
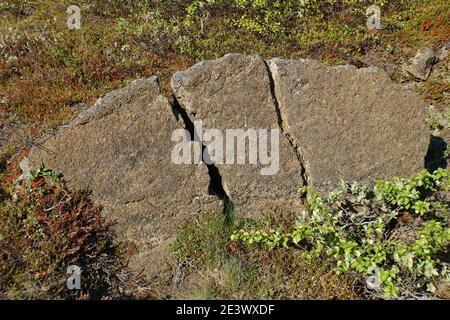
(351, 124)
(235, 92)
(420, 66)
(121, 149)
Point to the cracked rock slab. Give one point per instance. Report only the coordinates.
(234, 92)
(120, 148)
(352, 124)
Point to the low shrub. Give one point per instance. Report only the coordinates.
(395, 238)
(44, 229)
(207, 265)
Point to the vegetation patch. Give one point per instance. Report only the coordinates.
(394, 238)
(44, 229)
(207, 265)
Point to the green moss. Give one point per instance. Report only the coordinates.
(45, 69)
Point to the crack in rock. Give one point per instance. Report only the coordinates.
(283, 122)
(216, 186)
(233, 93)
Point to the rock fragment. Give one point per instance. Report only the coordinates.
(352, 124)
(120, 148)
(234, 92)
(421, 64)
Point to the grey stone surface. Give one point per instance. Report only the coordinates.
(420, 65)
(121, 149)
(235, 92)
(336, 123)
(351, 124)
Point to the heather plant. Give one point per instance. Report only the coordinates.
(44, 229)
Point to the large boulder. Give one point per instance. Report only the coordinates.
(331, 123)
(234, 92)
(121, 149)
(352, 124)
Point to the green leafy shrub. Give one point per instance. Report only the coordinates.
(207, 265)
(274, 16)
(395, 236)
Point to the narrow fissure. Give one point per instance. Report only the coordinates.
(285, 129)
(215, 184)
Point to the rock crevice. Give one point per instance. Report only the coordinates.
(283, 122)
(234, 92)
(215, 184)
